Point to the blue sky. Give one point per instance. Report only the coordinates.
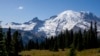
(25, 10)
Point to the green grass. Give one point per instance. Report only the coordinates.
(89, 52)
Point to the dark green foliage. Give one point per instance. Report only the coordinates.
(85, 40)
(62, 41)
(51, 43)
(20, 44)
(2, 44)
(37, 44)
(46, 43)
(95, 33)
(13, 43)
(8, 43)
(17, 43)
(71, 37)
(75, 40)
(56, 44)
(80, 41)
(31, 45)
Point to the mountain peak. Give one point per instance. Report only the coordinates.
(13, 23)
(75, 12)
(69, 13)
(35, 19)
(54, 16)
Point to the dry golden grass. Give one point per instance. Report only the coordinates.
(89, 52)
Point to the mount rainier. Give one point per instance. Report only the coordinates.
(54, 25)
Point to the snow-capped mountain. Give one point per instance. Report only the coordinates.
(54, 25)
(68, 20)
(27, 26)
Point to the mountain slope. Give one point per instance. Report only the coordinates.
(27, 26)
(68, 20)
(54, 25)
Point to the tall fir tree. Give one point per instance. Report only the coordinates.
(91, 36)
(2, 44)
(8, 43)
(46, 43)
(85, 39)
(31, 44)
(75, 40)
(62, 41)
(80, 41)
(15, 42)
(95, 37)
(20, 43)
(37, 44)
(56, 44)
(51, 43)
(66, 38)
(71, 37)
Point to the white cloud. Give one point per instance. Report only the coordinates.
(20, 7)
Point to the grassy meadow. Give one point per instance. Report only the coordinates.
(89, 52)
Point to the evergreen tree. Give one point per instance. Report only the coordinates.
(16, 44)
(8, 43)
(30, 45)
(51, 43)
(95, 35)
(66, 38)
(80, 41)
(71, 38)
(75, 40)
(42, 45)
(62, 41)
(37, 44)
(2, 44)
(20, 43)
(85, 39)
(46, 43)
(56, 44)
(91, 36)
